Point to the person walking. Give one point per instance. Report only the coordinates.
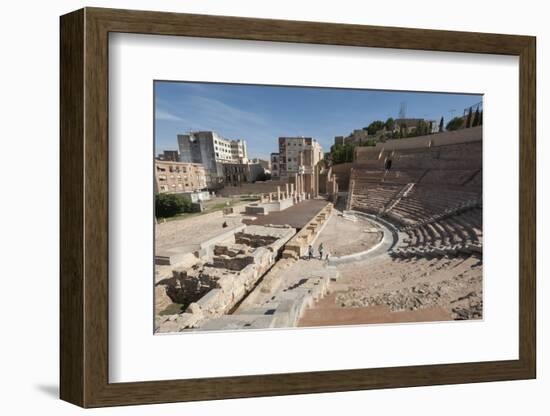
(321, 251)
(310, 251)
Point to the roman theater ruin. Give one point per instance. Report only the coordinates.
(401, 231)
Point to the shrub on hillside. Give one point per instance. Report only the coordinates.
(455, 124)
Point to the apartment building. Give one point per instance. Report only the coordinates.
(298, 155)
(179, 177)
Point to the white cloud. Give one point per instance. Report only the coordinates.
(222, 113)
(165, 115)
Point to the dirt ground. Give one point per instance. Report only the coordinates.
(342, 237)
(190, 232)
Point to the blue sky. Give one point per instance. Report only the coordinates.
(260, 114)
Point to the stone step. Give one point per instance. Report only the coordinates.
(241, 321)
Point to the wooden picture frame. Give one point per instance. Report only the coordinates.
(84, 207)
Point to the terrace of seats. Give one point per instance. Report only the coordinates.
(458, 233)
(432, 195)
(427, 201)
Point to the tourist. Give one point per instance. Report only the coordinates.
(310, 251)
(224, 225)
(321, 251)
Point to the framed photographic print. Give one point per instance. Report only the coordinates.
(255, 207)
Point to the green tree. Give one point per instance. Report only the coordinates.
(455, 124)
(441, 124)
(342, 153)
(469, 119)
(421, 128)
(389, 124)
(403, 130)
(476, 118)
(375, 126)
(168, 205)
(264, 176)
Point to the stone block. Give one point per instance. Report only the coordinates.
(194, 308)
(212, 302)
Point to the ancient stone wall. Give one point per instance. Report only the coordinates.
(214, 286)
(342, 172)
(298, 246)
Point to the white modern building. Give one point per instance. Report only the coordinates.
(211, 150)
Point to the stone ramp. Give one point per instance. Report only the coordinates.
(283, 310)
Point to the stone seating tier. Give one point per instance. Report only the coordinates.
(460, 233)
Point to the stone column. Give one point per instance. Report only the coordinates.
(317, 170)
(286, 191)
(278, 193)
(270, 197)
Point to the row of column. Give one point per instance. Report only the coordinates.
(295, 190)
(297, 193)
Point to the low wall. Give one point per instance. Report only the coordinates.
(251, 188)
(297, 247)
(169, 258)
